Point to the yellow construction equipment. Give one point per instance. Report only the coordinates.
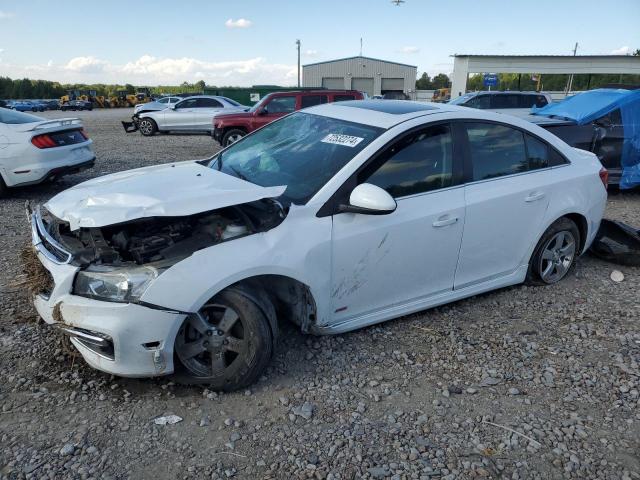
(122, 99)
(441, 95)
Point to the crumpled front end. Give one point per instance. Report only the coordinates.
(123, 339)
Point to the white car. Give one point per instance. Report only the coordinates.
(336, 217)
(159, 104)
(193, 114)
(34, 150)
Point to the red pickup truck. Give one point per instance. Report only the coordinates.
(231, 127)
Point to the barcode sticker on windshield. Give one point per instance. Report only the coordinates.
(344, 140)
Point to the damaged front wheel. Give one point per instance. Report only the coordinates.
(227, 344)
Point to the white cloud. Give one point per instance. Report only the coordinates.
(409, 49)
(6, 15)
(240, 23)
(85, 64)
(149, 70)
(310, 53)
(626, 50)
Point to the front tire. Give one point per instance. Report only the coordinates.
(227, 345)
(147, 127)
(555, 255)
(232, 136)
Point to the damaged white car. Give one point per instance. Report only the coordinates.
(337, 217)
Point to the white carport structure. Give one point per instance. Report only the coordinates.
(463, 65)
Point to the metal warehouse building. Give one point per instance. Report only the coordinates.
(370, 75)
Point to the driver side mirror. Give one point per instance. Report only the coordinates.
(173, 106)
(369, 199)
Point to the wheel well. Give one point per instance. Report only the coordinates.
(291, 299)
(583, 227)
(227, 129)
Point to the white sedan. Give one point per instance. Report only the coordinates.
(34, 150)
(193, 114)
(336, 217)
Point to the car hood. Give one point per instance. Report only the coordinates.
(176, 189)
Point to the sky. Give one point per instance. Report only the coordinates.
(250, 42)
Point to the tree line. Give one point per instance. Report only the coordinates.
(26, 88)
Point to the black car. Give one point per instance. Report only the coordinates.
(76, 105)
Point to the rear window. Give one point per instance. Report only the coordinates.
(13, 117)
(231, 101)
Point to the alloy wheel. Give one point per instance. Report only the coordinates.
(211, 341)
(557, 257)
(233, 138)
(146, 127)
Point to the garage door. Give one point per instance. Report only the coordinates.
(392, 84)
(335, 83)
(363, 85)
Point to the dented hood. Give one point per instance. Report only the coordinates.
(170, 190)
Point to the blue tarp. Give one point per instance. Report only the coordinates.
(586, 107)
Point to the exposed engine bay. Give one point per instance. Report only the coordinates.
(164, 239)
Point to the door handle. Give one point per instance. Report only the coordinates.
(533, 196)
(444, 221)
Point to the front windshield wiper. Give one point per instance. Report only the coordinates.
(237, 173)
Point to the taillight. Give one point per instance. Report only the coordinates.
(604, 176)
(43, 141)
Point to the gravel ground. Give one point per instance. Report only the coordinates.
(520, 383)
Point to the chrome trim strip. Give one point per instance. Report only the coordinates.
(72, 332)
(38, 232)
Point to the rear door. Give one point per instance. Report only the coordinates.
(206, 109)
(507, 194)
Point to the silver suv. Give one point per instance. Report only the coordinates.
(502, 100)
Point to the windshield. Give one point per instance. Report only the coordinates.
(302, 151)
(462, 99)
(14, 117)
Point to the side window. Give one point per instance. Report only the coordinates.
(541, 101)
(496, 150)
(174, 100)
(188, 103)
(208, 103)
(480, 101)
(342, 98)
(528, 101)
(311, 100)
(281, 105)
(537, 152)
(163, 100)
(419, 163)
(504, 101)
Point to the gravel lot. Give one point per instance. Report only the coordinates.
(519, 383)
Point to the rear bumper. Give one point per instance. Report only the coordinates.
(59, 172)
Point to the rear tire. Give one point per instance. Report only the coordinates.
(232, 136)
(228, 345)
(555, 255)
(147, 127)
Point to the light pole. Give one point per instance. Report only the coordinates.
(298, 44)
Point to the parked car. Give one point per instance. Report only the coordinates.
(34, 150)
(51, 104)
(192, 114)
(396, 96)
(228, 129)
(602, 121)
(76, 105)
(336, 217)
(159, 104)
(3, 104)
(502, 100)
(24, 106)
(39, 105)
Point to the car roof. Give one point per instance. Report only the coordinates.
(507, 92)
(381, 113)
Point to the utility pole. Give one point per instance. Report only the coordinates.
(360, 46)
(298, 44)
(570, 83)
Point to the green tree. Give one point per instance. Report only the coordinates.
(440, 81)
(200, 85)
(424, 82)
(129, 88)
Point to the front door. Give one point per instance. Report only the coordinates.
(381, 261)
(182, 116)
